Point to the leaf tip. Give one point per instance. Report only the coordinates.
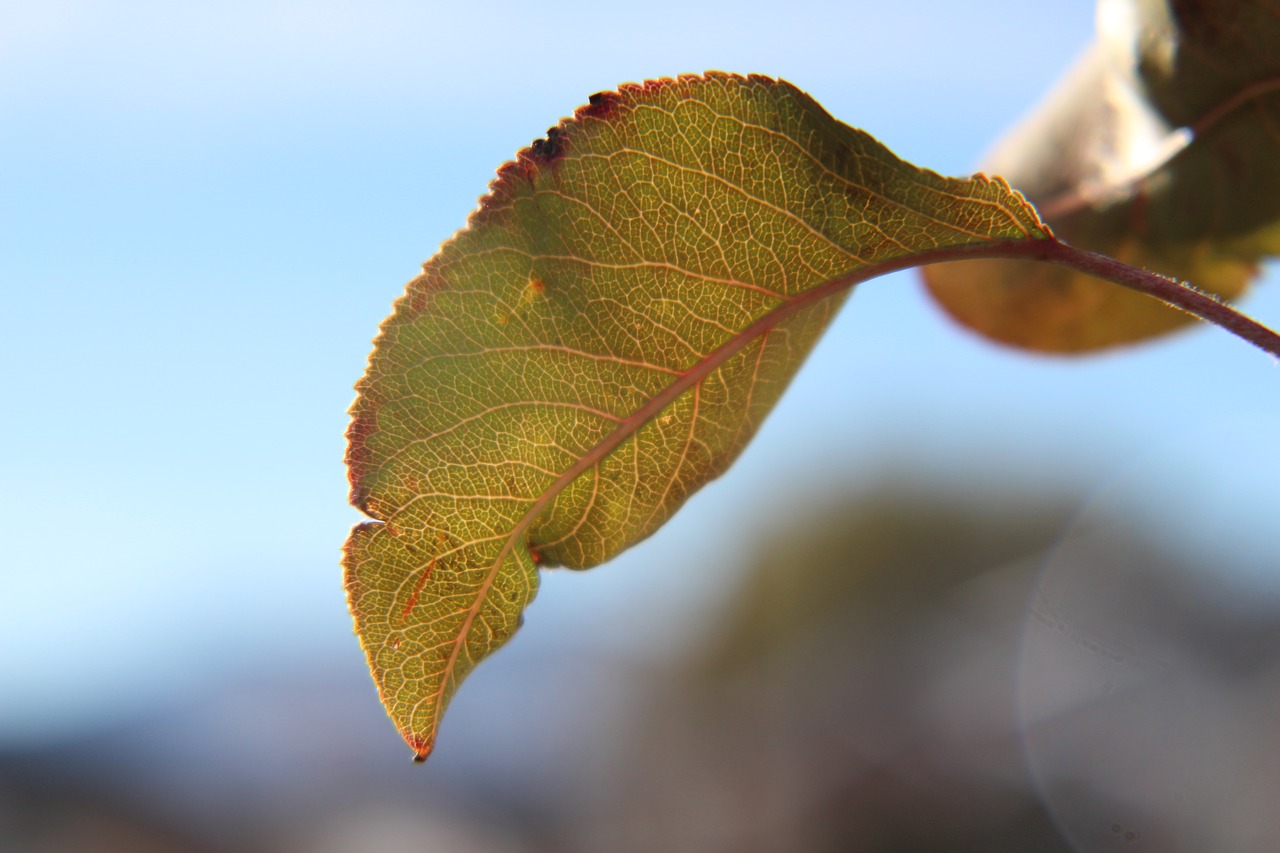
(422, 745)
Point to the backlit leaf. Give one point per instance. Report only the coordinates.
(1099, 157)
(606, 334)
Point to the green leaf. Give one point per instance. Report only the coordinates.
(606, 334)
(1107, 159)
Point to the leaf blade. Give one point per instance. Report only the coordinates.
(578, 360)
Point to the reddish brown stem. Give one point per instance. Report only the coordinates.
(1179, 294)
(1170, 291)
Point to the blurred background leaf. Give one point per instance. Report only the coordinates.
(1102, 158)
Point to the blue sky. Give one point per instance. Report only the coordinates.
(206, 209)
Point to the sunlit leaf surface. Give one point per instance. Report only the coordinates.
(542, 394)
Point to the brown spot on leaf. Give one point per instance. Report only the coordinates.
(601, 105)
(549, 149)
(417, 590)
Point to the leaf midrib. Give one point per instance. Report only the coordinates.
(632, 423)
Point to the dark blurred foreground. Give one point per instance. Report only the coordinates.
(900, 670)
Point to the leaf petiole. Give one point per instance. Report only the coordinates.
(1178, 294)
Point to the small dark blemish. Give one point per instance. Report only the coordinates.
(549, 149)
(601, 105)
